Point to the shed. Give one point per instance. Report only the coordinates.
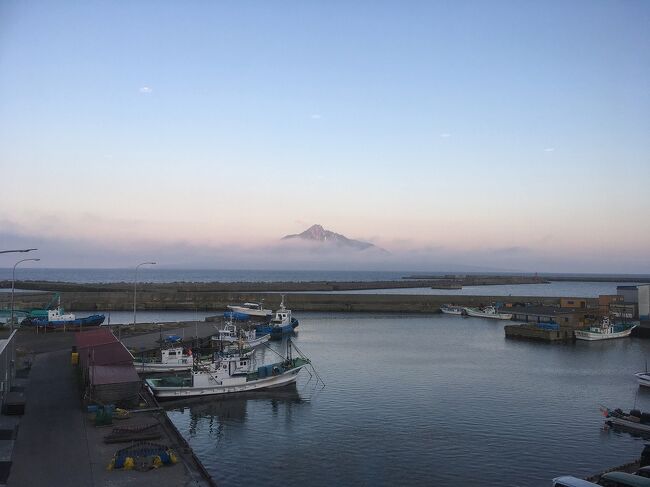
(111, 384)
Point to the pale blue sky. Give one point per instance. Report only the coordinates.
(458, 129)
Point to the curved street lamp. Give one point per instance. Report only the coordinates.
(135, 287)
(19, 250)
(13, 281)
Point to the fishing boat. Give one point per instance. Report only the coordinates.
(57, 318)
(605, 330)
(449, 309)
(643, 378)
(282, 323)
(230, 334)
(635, 420)
(230, 373)
(488, 312)
(251, 309)
(173, 359)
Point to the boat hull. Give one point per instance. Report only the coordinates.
(593, 336)
(259, 313)
(480, 314)
(629, 425)
(153, 368)
(94, 320)
(643, 378)
(449, 311)
(277, 332)
(177, 392)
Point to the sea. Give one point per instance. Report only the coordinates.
(151, 274)
(420, 401)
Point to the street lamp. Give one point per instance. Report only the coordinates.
(13, 281)
(135, 287)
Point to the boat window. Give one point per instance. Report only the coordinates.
(172, 353)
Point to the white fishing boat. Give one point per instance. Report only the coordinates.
(230, 373)
(173, 359)
(488, 312)
(251, 309)
(229, 334)
(449, 309)
(643, 378)
(605, 330)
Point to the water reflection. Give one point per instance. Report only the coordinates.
(211, 415)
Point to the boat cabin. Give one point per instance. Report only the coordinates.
(57, 314)
(175, 355)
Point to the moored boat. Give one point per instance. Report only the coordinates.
(643, 378)
(449, 309)
(605, 330)
(488, 312)
(250, 338)
(282, 323)
(57, 318)
(173, 359)
(251, 309)
(635, 420)
(230, 373)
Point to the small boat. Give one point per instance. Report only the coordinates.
(57, 318)
(488, 312)
(251, 309)
(635, 420)
(173, 359)
(643, 378)
(230, 373)
(249, 338)
(282, 323)
(605, 330)
(449, 309)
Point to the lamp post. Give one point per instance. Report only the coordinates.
(135, 287)
(13, 285)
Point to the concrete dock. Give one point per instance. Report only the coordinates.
(57, 442)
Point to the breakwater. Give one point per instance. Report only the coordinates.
(166, 299)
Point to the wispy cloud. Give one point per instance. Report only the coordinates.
(146, 90)
(445, 135)
(549, 149)
(315, 116)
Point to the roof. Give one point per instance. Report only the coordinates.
(100, 336)
(105, 354)
(112, 374)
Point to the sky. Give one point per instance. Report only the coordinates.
(501, 135)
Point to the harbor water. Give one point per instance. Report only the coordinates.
(423, 400)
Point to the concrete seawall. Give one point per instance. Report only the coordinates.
(217, 301)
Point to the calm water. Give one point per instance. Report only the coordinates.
(553, 289)
(426, 400)
(158, 274)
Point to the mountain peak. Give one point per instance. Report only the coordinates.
(316, 233)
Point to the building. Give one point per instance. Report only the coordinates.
(565, 317)
(630, 294)
(573, 303)
(106, 368)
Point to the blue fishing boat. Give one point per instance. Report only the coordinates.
(282, 323)
(57, 318)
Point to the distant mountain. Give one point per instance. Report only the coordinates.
(316, 233)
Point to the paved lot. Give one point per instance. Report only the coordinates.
(51, 447)
(58, 445)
